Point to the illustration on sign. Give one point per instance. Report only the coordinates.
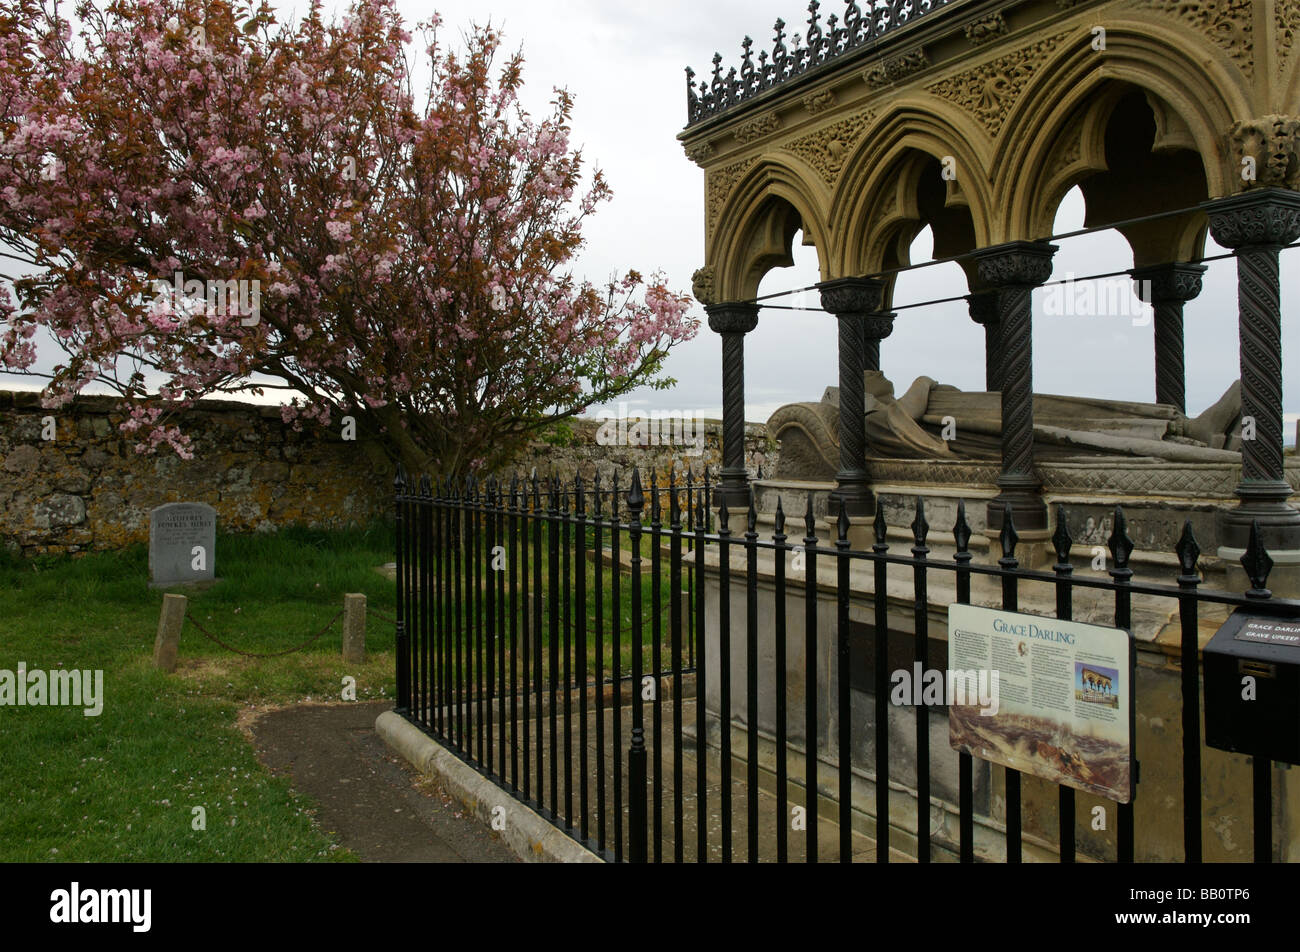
(1066, 708)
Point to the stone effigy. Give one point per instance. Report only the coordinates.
(940, 422)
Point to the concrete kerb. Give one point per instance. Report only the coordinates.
(531, 837)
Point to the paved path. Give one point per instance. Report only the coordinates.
(369, 799)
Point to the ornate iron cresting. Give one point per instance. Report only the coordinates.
(862, 25)
(1255, 225)
(1015, 269)
(733, 321)
(855, 302)
(1167, 287)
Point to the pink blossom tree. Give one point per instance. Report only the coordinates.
(224, 204)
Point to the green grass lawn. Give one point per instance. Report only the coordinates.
(121, 786)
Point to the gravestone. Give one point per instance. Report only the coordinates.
(182, 543)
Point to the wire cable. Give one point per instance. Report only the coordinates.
(889, 272)
(963, 297)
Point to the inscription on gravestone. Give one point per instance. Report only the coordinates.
(182, 543)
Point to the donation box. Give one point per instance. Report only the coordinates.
(1252, 685)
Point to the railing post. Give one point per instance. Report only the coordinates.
(636, 770)
(636, 755)
(402, 645)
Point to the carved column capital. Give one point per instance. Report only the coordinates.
(732, 317)
(845, 297)
(1168, 283)
(983, 307)
(1015, 264)
(1262, 216)
(876, 327)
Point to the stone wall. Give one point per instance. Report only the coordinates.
(87, 489)
(583, 448)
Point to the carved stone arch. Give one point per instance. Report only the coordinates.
(876, 198)
(1195, 90)
(756, 227)
(1074, 153)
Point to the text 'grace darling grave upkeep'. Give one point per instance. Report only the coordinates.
(182, 543)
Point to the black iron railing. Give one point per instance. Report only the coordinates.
(523, 605)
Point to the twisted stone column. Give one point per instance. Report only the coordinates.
(984, 311)
(1167, 287)
(1014, 270)
(855, 302)
(733, 321)
(1255, 225)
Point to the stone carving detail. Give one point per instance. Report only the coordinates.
(851, 296)
(700, 153)
(989, 91)
(1211, 482)
(1016, 267)
(1226, 22)
(819, 102)
(1286, 13)
(1261, 222)
(986, 29)
(702, 285)
(719, 186)
(895, 69)
(1168, 282)
(758, 127)
(732, 318)
(1069, 152)
(1273, 142)
(826, 149)
(878, 326)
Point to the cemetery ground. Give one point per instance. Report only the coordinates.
(123, 785)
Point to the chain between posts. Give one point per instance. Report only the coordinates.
(268, 654)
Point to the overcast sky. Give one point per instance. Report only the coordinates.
(624, 65)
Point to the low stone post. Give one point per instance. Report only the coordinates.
(169, 632)
(354, 628)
